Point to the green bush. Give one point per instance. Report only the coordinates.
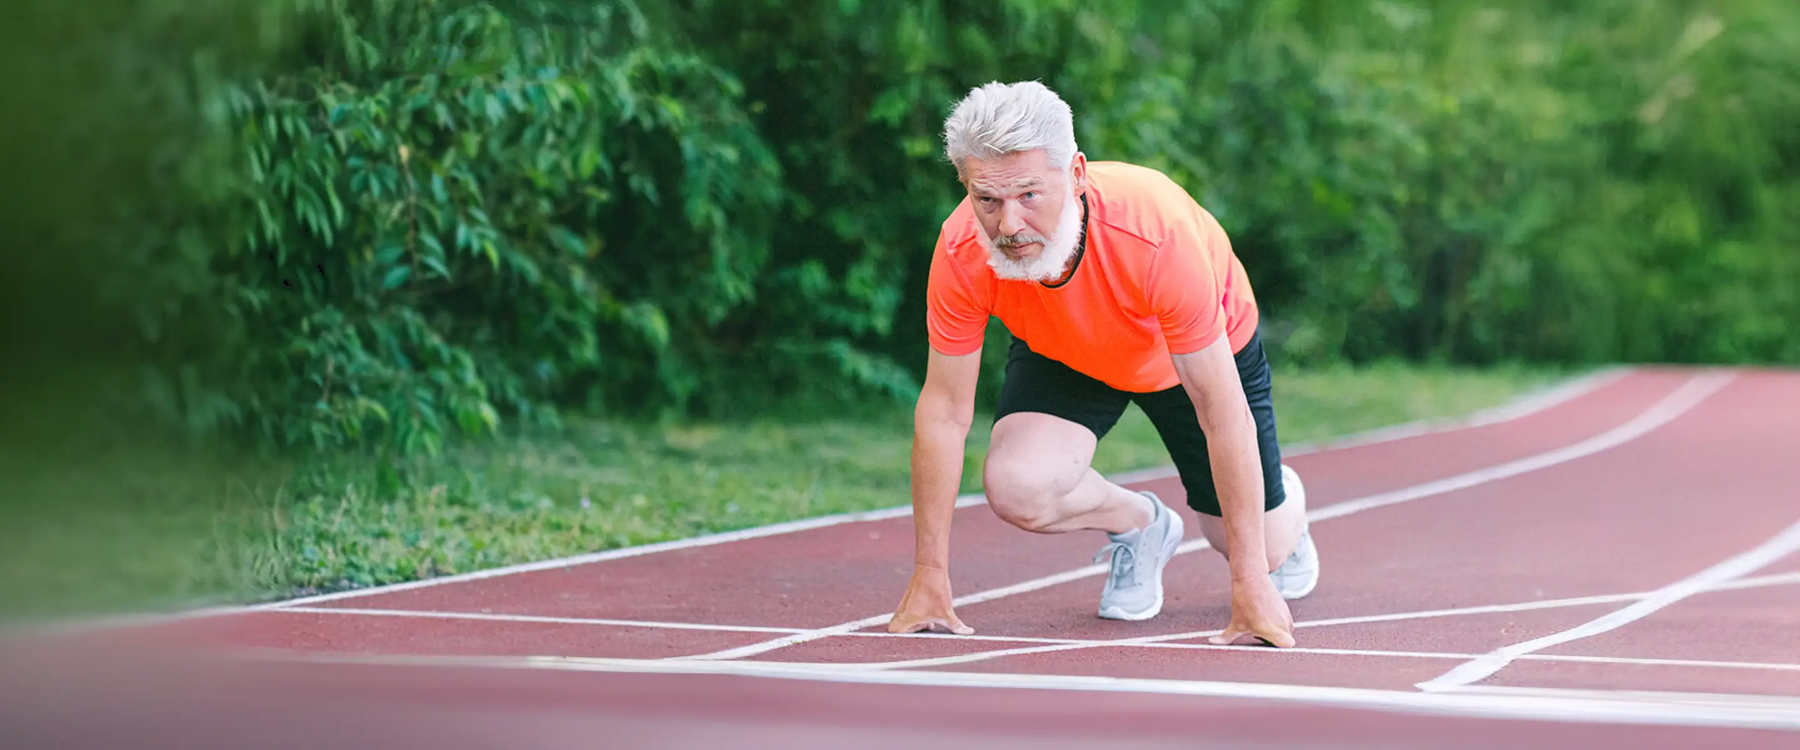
(387, 222)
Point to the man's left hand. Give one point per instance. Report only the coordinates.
(1257, 611)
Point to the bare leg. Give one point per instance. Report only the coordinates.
(1281, 527)
(1039, 477)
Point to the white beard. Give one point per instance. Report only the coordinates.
(1058, 248)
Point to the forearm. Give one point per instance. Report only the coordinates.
(1238, 477)
(1211, 378)
(937, 463)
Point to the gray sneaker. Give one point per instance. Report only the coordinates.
(1300, 572)
(1134, 588)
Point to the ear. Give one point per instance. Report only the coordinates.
(1078, 172)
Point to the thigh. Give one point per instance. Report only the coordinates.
(1172, 412)
(1049, 421)
(1036, 384)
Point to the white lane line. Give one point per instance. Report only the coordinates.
(1689, 395)
(1161, 641)
(488, 617)
(1790, 704)
(882, 619)
(1781, 545)
(1272, 653)
(1781, 579)
(1580, 601)
(1524, 407)
(622, 553)
(1777, 579)
(1653, 662)
(1172, 639)
(1716, 710)
(140, 620)
(1685, 398)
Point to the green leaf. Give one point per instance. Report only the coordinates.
(648, 320)
(588, 162)
(436, 264)
(571, 242)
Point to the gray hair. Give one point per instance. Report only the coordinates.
(999, 118)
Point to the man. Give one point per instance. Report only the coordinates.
(1117, 288)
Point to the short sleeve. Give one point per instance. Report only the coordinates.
(1184, 290)
(956, 313)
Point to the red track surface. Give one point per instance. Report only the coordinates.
(1614, 529)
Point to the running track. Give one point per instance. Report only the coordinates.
(1614, 562)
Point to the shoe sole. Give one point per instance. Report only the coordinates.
(1178, 529)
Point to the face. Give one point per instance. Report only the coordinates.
(1028, 210)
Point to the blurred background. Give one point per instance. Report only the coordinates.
(304, 295)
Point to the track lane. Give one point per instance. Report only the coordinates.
(822, 576)
(151, 703)
(1689, 394)
(490, 704)
(1755, 625)
(1602, 539)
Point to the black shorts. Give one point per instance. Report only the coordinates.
(1035, 383)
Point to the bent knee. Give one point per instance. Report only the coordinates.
(1022, 494)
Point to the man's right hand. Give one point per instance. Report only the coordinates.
(940, 431)
(927, 605)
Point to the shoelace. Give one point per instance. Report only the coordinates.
(1121, 573)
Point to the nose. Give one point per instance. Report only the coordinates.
(1012, 219)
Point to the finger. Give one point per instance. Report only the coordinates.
(1276, 638)
(930, 624)
(951, 626)
(910, 624)
(954, 624)
(1227, 638)
(1236, 635)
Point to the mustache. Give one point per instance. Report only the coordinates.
(1020, 239)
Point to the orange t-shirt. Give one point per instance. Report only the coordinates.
(1158, 276)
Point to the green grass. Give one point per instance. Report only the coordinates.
(150, 528)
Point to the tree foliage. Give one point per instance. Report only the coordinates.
(392, 221)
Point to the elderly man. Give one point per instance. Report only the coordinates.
(1117, 287)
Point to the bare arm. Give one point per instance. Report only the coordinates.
(940, 432)
(941, 421)
(1211, 379)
